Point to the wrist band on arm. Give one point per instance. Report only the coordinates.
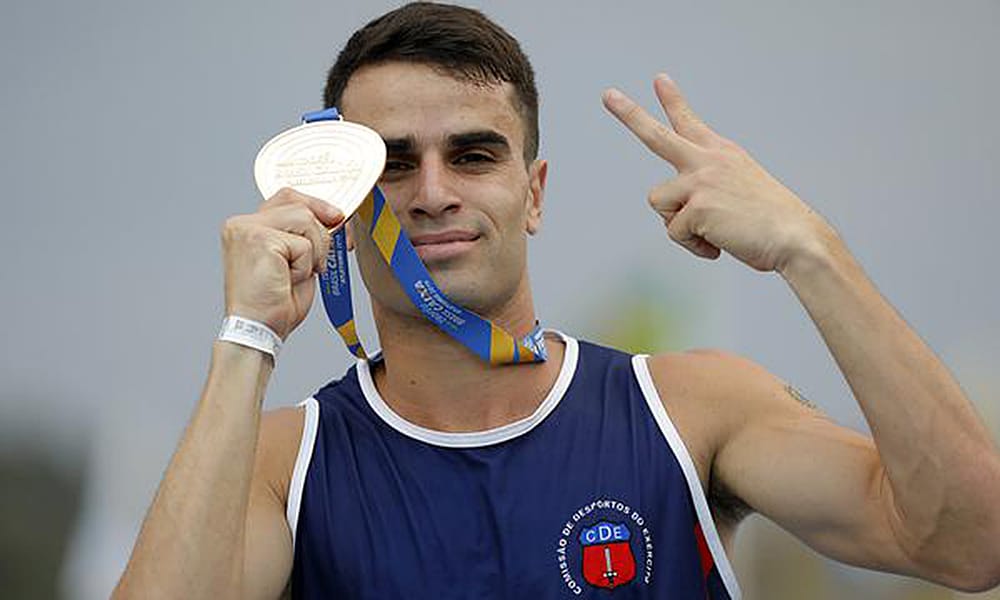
(253, 334)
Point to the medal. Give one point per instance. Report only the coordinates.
(333, 160)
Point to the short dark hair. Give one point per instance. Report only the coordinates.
(460, 42)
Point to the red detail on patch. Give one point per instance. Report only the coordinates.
(703, 552)
(608, 565)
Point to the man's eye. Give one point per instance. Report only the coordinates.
(473, 157)
(396, 166)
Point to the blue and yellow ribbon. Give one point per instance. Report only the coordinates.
(490, 342)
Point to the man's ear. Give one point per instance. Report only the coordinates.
(537, 173)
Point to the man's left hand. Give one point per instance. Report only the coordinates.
(721, 198)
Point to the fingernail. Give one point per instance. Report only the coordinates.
(664, 78)
(612, 95)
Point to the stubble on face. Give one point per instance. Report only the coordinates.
(454, 171)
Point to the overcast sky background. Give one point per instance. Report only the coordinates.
(129, 131)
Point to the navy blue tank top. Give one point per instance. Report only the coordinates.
(592, 496)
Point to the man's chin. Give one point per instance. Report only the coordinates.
(468, 294)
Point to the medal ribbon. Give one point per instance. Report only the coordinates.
(490, 342)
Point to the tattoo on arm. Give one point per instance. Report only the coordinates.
(794, 393)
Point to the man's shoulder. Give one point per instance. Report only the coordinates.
(708, 376)
(280, 435)
(707, 393)
(283, 425)
(278, 443)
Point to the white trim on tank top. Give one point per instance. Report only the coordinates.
(690, 474)
(310, 426)
(474, 439)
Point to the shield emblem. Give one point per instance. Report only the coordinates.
(607, 555)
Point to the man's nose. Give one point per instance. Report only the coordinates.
(435, 195)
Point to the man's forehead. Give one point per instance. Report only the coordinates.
(417, 101)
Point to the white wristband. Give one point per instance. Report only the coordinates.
(250, 333)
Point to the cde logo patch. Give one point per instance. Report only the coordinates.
(607, 555)
(605, 544)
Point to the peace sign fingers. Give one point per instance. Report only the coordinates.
(666, 143)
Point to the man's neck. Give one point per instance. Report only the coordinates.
(433, 381)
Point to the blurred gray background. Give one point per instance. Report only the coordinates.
(128, 134)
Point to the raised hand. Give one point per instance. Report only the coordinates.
(271, 255)
(721, 198)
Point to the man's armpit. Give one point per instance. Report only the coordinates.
(726, 506)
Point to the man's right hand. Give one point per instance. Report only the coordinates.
(271, 255)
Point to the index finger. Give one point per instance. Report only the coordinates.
(655, 134)
(327, 214)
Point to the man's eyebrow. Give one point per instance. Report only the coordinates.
(407, 145)
(403, 145)
(485, 137)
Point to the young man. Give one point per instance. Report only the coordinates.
(426, 472)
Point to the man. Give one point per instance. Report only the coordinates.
(425, 472)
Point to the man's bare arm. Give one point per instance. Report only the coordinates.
(215, 513)
(925, 502)
(192, 541)
(768, 446)
(939, 468)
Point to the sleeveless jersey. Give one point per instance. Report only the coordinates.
(592, 496)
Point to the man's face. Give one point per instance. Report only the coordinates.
(455, 177)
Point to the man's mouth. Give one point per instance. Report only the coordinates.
(443, 245)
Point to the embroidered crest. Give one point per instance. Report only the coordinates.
(605, 544)
(607, 556)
